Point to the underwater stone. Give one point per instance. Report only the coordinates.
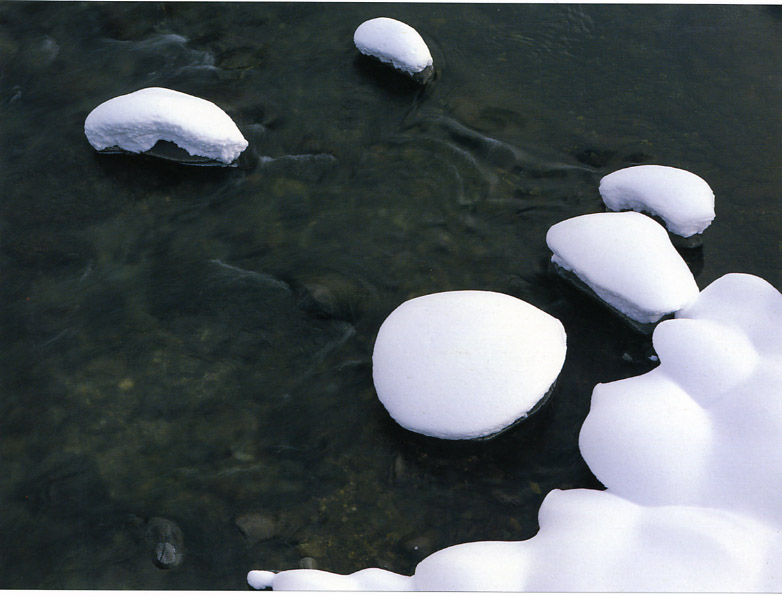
(681, 199)
(167, 542)
(626, 260)
(397, 44)
(256, 527)
(136, 122)
(308, 563)
(466, 364)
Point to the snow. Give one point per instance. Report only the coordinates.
(465, 364)
(393, 42)
(691, 465)
(713, 408)
(136, 121)
(627, 260)
(361, 581)
(683, 200)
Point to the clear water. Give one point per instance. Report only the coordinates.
(195, 343)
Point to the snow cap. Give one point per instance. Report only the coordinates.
(465, 364)
(683, 200)
(393, 42)
(627, 260)
(136, 121)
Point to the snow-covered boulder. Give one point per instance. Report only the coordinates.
(397, 44)
(136, 122)
(466, 364)
(705, 427)
(682, 200)
(691, 465)
(627, 261)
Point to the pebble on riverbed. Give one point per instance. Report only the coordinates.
(397, 44)
(682, 200)
(167, 542)
(256, 527)
(466, 364)
(167, 124)
(626, 261)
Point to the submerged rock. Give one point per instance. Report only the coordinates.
(167, 542)
(397, 44)
(256, 527)
(682, 200)
(466, 364)
(167, 124)
(308, 563)
(627, 261)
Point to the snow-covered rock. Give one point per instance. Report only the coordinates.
(703, 428)
(691, 465)
(683, 200)
(137, 121)
(627, 261)
(397, 44)
(466, 364)
(364, 580)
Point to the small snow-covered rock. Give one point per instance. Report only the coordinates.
(683, 200)
(137, 121)
(466, 364)
(397, 44)
(627, 261)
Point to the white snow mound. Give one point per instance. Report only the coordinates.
(627, 260)
(703, 428)
(136, 121)
(691, 465)
(683, 200)
(393, 42)
(465, 364)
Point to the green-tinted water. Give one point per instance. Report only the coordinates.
(195, 343)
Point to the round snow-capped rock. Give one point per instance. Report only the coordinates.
(397, 44)
(681, 199)
(136, 122)
(627, 261)
(466, 364)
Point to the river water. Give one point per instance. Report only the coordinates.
(194, 344)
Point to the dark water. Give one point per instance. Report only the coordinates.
(194, 344)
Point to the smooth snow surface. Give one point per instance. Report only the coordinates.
(704, 427)
(683, 200)
(627, 260)
(136, 121)
(393, 42)
(465, 364)
(691, 463)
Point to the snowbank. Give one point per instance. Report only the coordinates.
(691, 465)
(136, 121)
(397, 44)
(627, 261)
(704, 428)
(683, 200)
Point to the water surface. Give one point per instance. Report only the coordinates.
(195, 344)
